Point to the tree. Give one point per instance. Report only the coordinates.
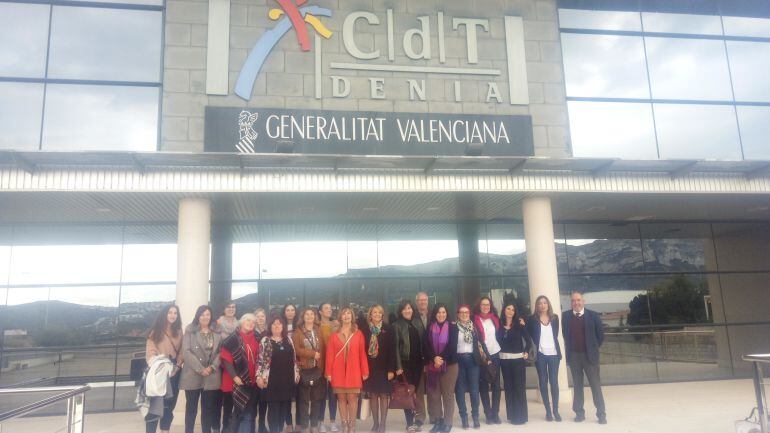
(677, 300)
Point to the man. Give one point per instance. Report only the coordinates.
(420, 321)
(583, 335)
(328, 327)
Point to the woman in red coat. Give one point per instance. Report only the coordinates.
(347, 367)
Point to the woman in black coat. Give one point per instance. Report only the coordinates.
(514, 352)
(381, 355)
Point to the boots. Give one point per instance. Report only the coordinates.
(438, 426)
(548, 416)
(556, 415)
(476, 423)
(464, 421)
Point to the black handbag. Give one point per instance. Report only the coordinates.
(138, 367)
(310, 376)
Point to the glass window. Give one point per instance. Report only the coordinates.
(23, 39)
(303, 259)
(82, 315)
(682, 23)
(139, 305)
(737, 245)
(603, 248)
(748, 63)
(604, 65)
(245, 261)
(418, 249)
(692, 69)
(745, 26)
(149, 262)
(395, 290)
(697, 131)
(83, 117)
(105, 44)
(506, 249)
(599, 20)
(58, 264)
(755, 128)
(246, 296)
(677, 247)
(21, 108)
(319, 291)
(362, 249)
(283, 292)
(746, 296)
(612, 130)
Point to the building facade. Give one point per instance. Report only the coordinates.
(360, 151)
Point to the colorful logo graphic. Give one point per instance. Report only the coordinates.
(289, 15)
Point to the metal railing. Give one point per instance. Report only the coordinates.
(73, 395)
(759, 387)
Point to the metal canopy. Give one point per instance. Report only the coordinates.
(142, 161)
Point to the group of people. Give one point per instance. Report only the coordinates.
(245, 372)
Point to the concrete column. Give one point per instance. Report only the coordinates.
(468, 246)
(542, 272)
(194, 232)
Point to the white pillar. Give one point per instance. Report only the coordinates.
(542, 272)
(192, 272)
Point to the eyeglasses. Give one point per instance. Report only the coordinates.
(463, 312)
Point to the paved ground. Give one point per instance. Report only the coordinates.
(702, 407)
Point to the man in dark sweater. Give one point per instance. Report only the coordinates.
(583, 335)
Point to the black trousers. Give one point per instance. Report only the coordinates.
(486, 387)
(211, 404)
(579, 364)
(515, 380)
(261, 412)
(276, 415)
(168, 409)
(227, 410)
(309, 403)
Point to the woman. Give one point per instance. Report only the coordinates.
(328, 326)
(261, 330)
(239, 358)
(514, 352)
(409, 361)
(201, 375)
(289, 314)
(346, 367)
(277, 373)
(440, 349)
(381, 357)
(165, 338)
(227, 322)
(309, 344)
(543, 328)
(470, 352)
(487, 323)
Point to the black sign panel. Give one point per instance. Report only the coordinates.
(268, 130)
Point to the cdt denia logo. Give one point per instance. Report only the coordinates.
(290, 15)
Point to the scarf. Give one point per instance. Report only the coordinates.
(439, 337)
(466, 329)
(374, 344)
(242, 356)
(478, 318)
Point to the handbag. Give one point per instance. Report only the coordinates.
(403, 396)
(137, 369)
(364, 407)
(309, 376)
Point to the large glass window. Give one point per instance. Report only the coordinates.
(611, 66)
(23, 39)
(682, 23)
(598, 248)
(754, 123)
(689, 131)
(600, 20)
(21, 109)
(612, 130)
(748, 60)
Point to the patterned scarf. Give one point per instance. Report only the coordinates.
(374, 345)
(241, 358)
(439, 338)
(466, 329)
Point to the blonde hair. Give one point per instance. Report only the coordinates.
(353, 325)
(372, 309)
(247, 316)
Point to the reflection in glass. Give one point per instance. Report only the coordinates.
(693, 69)
(81, 315)
(105, 44)
(319, 291)
(507, 253)
(599, 20)
(736, 245)
(149, 262)
(21, 108)
(418, 257)
(682, 23)
(245, 261)
(604, 65)
(745, 296)
(23, 39)
(754, 123)
(697, 131)
(282, 293)
(394, 290)
(303, 259)
(603, 248)
(246, 297)
(612, 130)
(362, 257)
(60, 264)
(745, 26)
(439, 290)
(88, 117)
(677, 247)
(138, 307)
(748, 63)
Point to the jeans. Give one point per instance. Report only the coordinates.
(332, 404)
(467, 381)
(168, 408)
(547, 367)
(491, 411)
(243, 421)
(578, 364)
(211, 405)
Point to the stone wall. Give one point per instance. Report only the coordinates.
(287, 78)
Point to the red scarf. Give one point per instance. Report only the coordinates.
(480, 327)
